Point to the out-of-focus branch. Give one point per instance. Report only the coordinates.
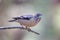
(18, 27)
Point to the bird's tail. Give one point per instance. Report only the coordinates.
(11, 20)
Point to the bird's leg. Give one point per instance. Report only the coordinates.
(22, 26)
(28, 28)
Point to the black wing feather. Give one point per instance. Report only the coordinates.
(23, 17)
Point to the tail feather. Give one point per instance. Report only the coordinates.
(12, 20)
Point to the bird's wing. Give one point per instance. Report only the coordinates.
(25, 17)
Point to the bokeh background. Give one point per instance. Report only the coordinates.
(48, 27)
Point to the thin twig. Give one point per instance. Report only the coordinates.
(14, 27)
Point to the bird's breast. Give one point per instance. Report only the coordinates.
(29, 23)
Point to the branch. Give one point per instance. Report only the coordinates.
(18, 27)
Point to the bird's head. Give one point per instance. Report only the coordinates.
(38, 15)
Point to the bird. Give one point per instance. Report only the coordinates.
(27, 20)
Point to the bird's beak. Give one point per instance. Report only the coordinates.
(39, 17)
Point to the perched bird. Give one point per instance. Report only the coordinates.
(27, 20)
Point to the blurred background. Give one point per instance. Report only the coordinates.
(48, 27)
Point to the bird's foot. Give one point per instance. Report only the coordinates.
(28, 29)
